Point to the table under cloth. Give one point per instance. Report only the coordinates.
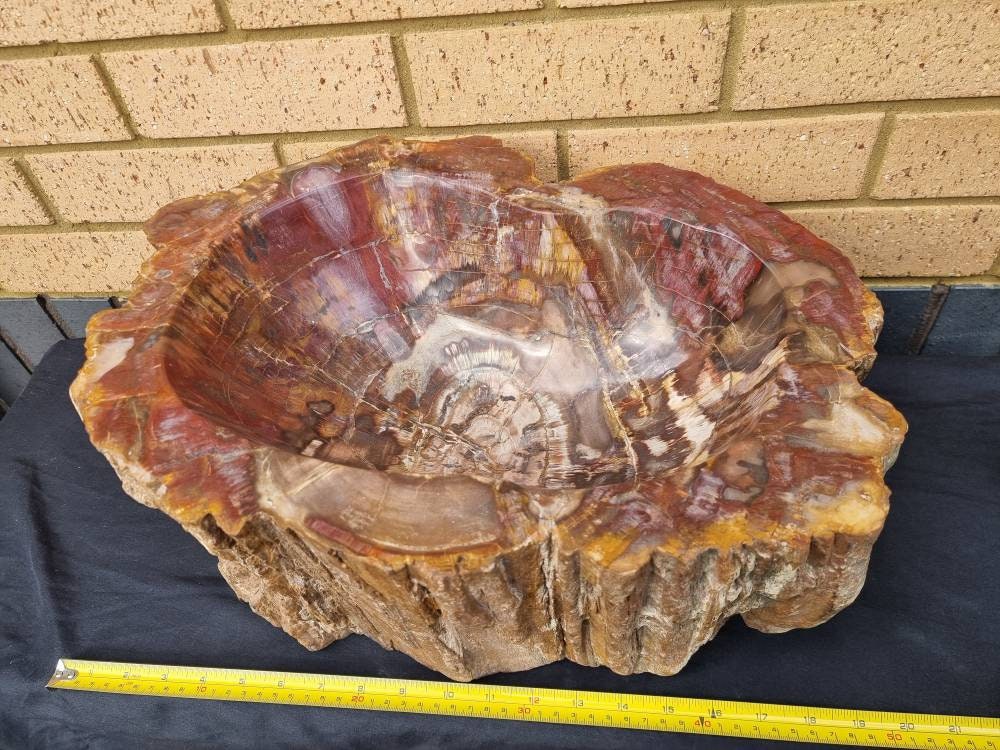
(86, 572)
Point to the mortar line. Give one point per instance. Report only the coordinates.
(404, 77)
(225, 16)
(116, 96)
(562, 155)
(232, 33)
(731, 59)
(863, 202)
(278, 153)
(50, 296)
(65, 228)
(983, 279)
(876, 156)
(35, 186)
(676, 119)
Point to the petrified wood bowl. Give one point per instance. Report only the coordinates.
(408, 391)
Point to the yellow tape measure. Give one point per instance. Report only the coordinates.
(655, 712)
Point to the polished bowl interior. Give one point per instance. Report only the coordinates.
(417, 324)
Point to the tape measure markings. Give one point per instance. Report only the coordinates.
(678, 714)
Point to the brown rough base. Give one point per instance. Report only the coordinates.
(536, 605)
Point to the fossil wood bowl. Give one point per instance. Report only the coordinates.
(407, 390)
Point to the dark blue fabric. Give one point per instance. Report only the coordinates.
(89, 573)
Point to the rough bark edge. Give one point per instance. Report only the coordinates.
(463, 623)
(537, 604)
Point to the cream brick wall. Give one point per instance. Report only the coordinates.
(876, 124)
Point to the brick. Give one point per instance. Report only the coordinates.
(945, 155)
(575, 69)
(910, 241)
(540, 145)
(823, 53)
(775, 160)
(261, 87)
(37, 21)
(71, 261)
(259, 14)
(19, 206)
(55, 100)
(130, 185)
